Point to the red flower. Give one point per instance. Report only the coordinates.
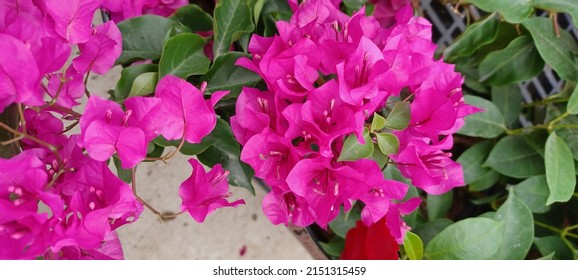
(370, 243)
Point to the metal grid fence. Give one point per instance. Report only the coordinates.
(447, 25)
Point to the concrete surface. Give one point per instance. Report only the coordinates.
(223, 235)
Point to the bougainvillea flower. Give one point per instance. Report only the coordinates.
(429, 167)
(71, 20)
(271, 156)
(24, 238)
(282, 206)
(106, 129)
(187, 114)
(17, 83)
(254, 111)
(395, 223)
(204, 192)
(103, 200)
(110, 249)
(67, 88)
(44, 126)
(123, 9)
(324, 187)
(99, 53)
(22, 181)
(370, 243)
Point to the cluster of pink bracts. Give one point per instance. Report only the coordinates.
(58, 197)
(326, 75)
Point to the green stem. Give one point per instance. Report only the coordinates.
(556, 120)
(549, 227)
(524, 129)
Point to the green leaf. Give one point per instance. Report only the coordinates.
(354, 4)
(334, 247)
(353, 150)
(427, 231)
(553, 244)
(141, 37)
(225, 75)
(513, 157)
(469, 239)
(233, 18)
(184, 56)
(518, 62)
(572, 107)
(472, 160)
(486, 124)
(438, 205)
(548, 257)
(534, 193)
(378, 156)
(518, 230)
(560, 6)
(399, 117)
(144, 84)
(378, 122)
(187, 148)
(474, 37)
(514, 11)
(344, 222)
(226, 151)
(413, 246)
(257, 10)
(193, 17)
(509, 101)
(560, 173)
(123, 174)
(387, 142)
(559, 53)
(487, 180)
(127, 77)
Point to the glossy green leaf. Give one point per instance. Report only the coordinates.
(353, 150)
(226, 151)
(427, 231)
(487, 124)
(225, 75)
(472, 160)
(560, 173)
(413, 246)
(377, 123)
(553, 244)
(560, 6)
(193, 17)
(233, 18)
(354, 4)
(124, 174)
(518, 230)
(534, 193)
(144, 84)
(378, 156)
(485, 181)
(572, 107)
(514, 11)
(513, 157)
(184, 56)
(334, 247)
(438, 205)
(141, 37)
(127, 77)
(399, 117)
(474, 37)
(509, 101)
(559, 53)
(387, 142)
(345, 221)
(469, 239)
(520, 61)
